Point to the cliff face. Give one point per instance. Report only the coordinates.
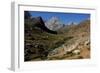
(37, 22)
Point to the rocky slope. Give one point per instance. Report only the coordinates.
(76, 48)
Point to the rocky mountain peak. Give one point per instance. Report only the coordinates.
(54, 23)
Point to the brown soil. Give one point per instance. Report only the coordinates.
(85, 53)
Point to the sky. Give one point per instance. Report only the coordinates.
(65, 18)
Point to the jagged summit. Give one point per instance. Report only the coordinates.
(54, 23)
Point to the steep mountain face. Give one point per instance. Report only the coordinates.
(38, 23)
(54, 23)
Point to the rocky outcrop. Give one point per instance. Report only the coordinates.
(70, 50)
